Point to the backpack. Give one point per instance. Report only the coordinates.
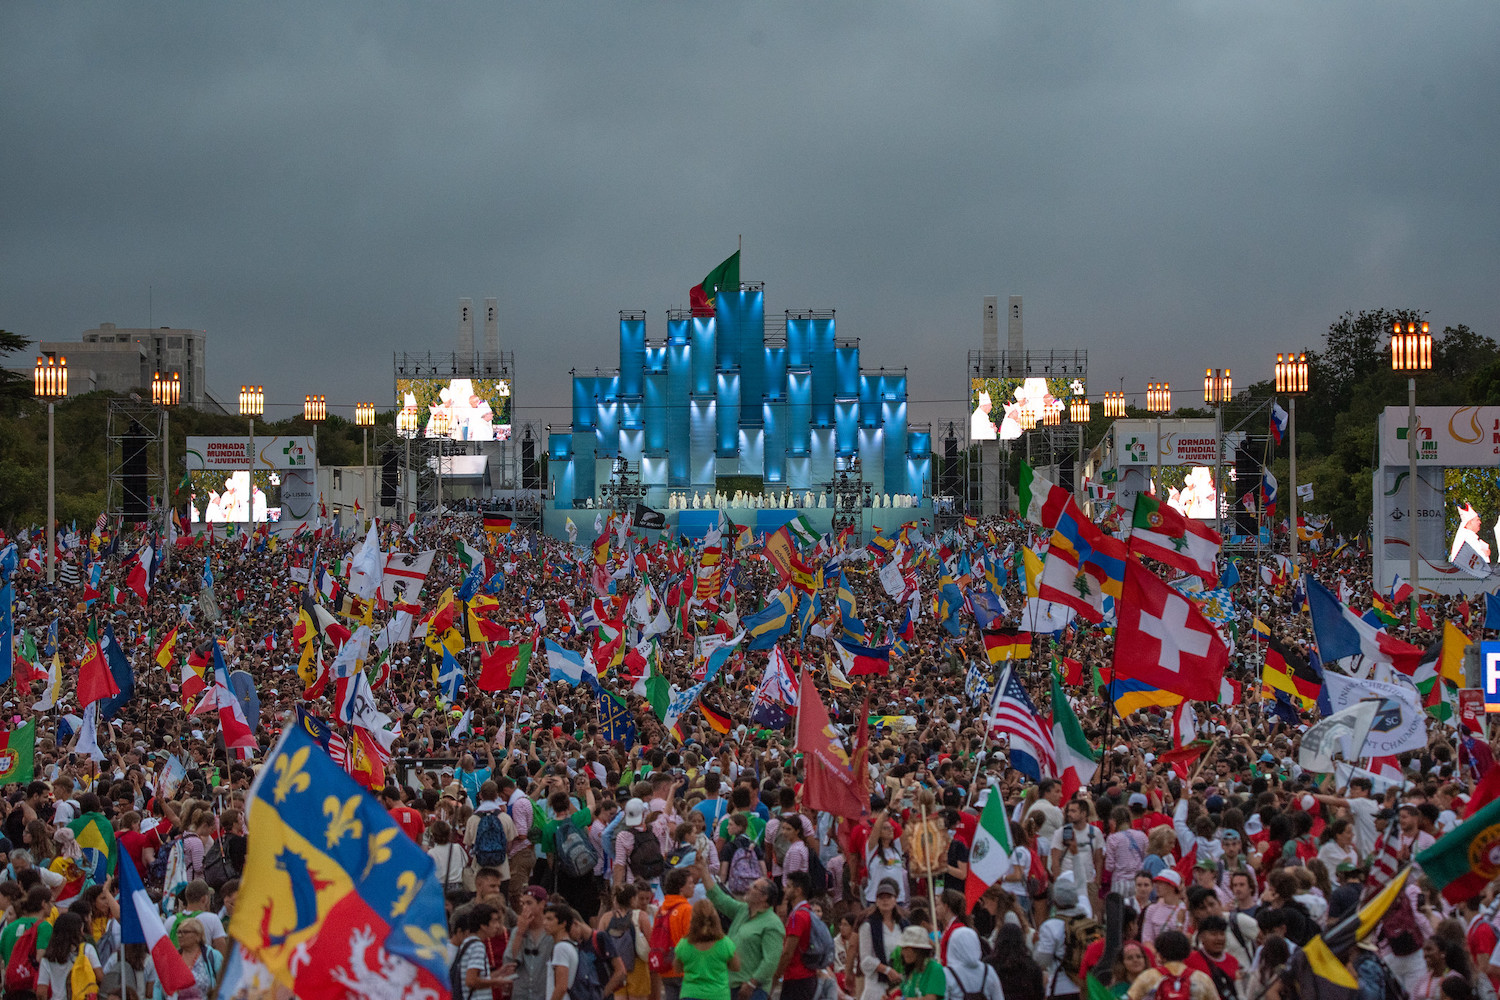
(818, 873)
(456, 972)
(1037, 877)
(217, 868)
(1079, 933)
(21, 970)
(1178, 987)
(588, 984)
(819, 952)
(491, 845)
(744, 866)
(1400, 927)
(969, 994)
(621, 936)
(176, 875)
(156, 872)
(645, 856)
(662, 945)
(576, 856)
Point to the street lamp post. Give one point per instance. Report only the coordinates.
(1079, 412)
(252, 405)
(1291, 381)
(166, 392)
(1158, 401)
(364, 417)
(1218, 387)
(315, 411)
(437, 429)
(50, 382)
(1114, 405)
(406, 426)
(1411, 351)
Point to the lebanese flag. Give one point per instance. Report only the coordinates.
(1163, 639)
(140, 923)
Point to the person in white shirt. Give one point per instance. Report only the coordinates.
(1362, 810)
(1052, 937)
(1078, 847)
(557, 922)
(1049, 797)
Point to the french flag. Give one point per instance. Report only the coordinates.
(1340, 633)
(1278, 422)
(140, 923)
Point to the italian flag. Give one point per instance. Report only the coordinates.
(989, 858)
(1076, 760)
(1166, 535)
(1040, 501)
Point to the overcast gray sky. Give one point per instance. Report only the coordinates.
(1168, 185)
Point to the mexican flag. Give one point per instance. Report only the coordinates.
(1159, 532)
(1076, 759)
(17, 754)
(989, 858)
(1040, 501)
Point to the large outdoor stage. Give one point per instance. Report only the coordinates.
(730, 405)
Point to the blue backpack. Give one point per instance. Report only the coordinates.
(491, 845)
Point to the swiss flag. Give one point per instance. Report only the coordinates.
(1164, 640)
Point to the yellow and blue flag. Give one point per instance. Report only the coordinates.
(763, 628)
(335, 899)
(849, 613)
(96, 840)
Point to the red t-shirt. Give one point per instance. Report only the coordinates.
(410, 822)
(1482, 940)
(1200, 961)
(134, 843)
(799, 926)
(1095, 951)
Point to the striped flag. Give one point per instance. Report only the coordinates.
(1013, 714)
(977, 684)
(989, 858)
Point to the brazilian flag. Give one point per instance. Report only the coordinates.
(96, 839)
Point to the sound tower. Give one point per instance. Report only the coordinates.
(1065, 473)
(950, 483)
(133, 477)
(529, 477)
(1247, 473)
(389, 471)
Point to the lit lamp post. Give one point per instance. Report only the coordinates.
(1218, 387)
(1291, 381)
(437, 428)
(252, 405)
(50, 382)
(1411, 351)
(166, 393)
(364, 417)
(1158, 401)
(1079, 413)
(1114, 405)
(315, 411)
(406, 426)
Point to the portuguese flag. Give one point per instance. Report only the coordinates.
(17, 754)
(1464, 861)
(702, 296)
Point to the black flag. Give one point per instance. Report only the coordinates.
(645, 517)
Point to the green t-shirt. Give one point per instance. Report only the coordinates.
(929, 980)
(15, 929)
(705, 971)
(580, 818)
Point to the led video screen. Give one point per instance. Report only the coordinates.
(1003, 408)
(461, 409)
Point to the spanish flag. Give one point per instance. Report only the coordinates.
(166, 650)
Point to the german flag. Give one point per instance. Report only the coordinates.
(496, 524)
(717, 720)
(1007, 644)
(1289, 673)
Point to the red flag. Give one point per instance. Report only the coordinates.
(830, 785)
(862, 751)
(95, 682)
(1183, 758)
(1163, 639)
(1485, 793)
(1186, 865)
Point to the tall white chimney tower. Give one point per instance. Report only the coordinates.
(466, 333)
(990, 356)
(492, 331)
(1015, 342)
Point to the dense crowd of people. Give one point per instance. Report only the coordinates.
(688, 865)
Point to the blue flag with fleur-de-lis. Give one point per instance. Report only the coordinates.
(336, 900)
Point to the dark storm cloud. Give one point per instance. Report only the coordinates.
(1169, 186)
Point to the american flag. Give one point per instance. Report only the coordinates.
(1013, 714)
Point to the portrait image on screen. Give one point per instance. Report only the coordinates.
(459, 408)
